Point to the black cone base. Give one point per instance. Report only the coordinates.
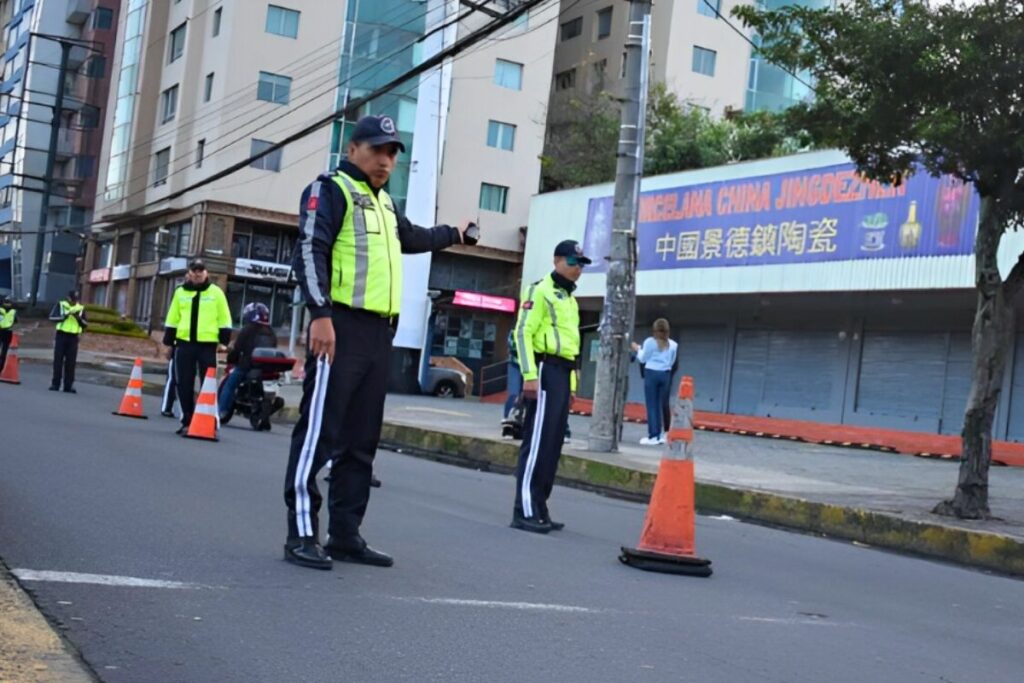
(666, 564)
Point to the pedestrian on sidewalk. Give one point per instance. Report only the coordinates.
(348, 262)
(69, 315)
(548, 339)
(658, 355)
(7, 317)
(197, 320)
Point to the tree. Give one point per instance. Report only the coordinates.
(917, 86)
(581, 150)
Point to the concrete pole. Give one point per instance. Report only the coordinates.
(617, 318)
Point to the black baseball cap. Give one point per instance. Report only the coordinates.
(572, 248)
(197, 264)
(377, 130)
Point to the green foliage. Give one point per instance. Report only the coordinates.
(120, 329)
(900, 83)
(96, 309)
(678, 137)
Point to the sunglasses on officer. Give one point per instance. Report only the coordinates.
(198, 269)
(574, 262)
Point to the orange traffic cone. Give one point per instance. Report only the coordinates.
(667, 540)
(131, 404)
(10, 370)
(206, 418)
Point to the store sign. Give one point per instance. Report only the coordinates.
(99, 275)
(121, 273)
(485, 301)
(174, 264)
(262, 270)
(822, 214)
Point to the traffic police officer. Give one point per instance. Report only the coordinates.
(348, 261)
(7, 317)
(70, 318)
(197, 320)
(548, 340)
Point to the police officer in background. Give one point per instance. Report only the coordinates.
(197, 320)
(348, 261)
(70, 318)
(7, 317)
(548, 339)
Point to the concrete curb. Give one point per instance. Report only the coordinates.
(969, 547)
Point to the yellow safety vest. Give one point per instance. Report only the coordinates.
(214, 314)
(7, 316)
(68, 312)
(366, 260)
(549, 323)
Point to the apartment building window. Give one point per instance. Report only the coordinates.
(177, 239)
(597, 72)
(604, 23)
(85, 166)
(176, 46)
(704, 60)
(493, 197)
(97, 67)
(508, 74)
(501, 135)
(208, 87)
(282, 21)
(572, 28)
(274, 88)
(148, 246)
(709, 8)
(169, 103)
(216, 21)
(270, 162)
(89, 117)
(161, 166)
(200, 152)
(565, 80)
(103, 19)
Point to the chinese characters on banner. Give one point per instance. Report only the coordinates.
(822, 214)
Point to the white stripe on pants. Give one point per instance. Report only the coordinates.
(303, 519)
(538, 429)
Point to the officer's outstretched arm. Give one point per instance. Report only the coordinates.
(416, 240)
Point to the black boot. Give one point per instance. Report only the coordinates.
(306, 552)
(532, 524)
(356, 550)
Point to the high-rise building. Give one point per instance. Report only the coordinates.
(52, 98)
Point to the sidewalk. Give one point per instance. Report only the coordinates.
(871, 497)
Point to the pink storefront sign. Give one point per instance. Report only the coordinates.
(485, 301)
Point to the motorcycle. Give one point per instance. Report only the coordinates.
(256, 395)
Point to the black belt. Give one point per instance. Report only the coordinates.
(552, 359)
(392, 319)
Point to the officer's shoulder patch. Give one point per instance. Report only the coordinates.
(314, 201)
(527, 304)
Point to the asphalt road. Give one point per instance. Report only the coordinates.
(82, 491)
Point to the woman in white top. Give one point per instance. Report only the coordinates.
(658, 354)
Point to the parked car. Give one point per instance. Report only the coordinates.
(445, 382)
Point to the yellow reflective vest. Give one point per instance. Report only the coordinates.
(366, 260)
(549, 323)
(69, 318)
(7, 316)
(198, 315)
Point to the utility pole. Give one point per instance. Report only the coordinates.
(51, 157)
(618, 316)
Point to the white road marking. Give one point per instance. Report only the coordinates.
(789, 621)
(498, 604)
(724, 518)
(438, 411)
(98, 579)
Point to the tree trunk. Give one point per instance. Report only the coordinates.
(990, 342)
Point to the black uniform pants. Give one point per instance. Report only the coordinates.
(543, 435)
(191, 358)
(5, 344)
(339, 420)
(170, 389)
(65, 355)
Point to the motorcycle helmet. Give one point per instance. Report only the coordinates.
(256, 313)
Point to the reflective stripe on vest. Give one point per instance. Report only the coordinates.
(366, 259)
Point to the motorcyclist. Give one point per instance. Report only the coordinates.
(256, 333)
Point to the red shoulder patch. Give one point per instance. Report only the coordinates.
(528, 304)
(314, 200)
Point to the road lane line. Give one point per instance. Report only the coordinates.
(99, 579)
(437, 411)
(498, 604)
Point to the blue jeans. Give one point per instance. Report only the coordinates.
(656, 389)
(226, 395)
(515, 387)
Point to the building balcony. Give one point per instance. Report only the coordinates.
(78, 11)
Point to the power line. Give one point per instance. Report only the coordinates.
(353, 106)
